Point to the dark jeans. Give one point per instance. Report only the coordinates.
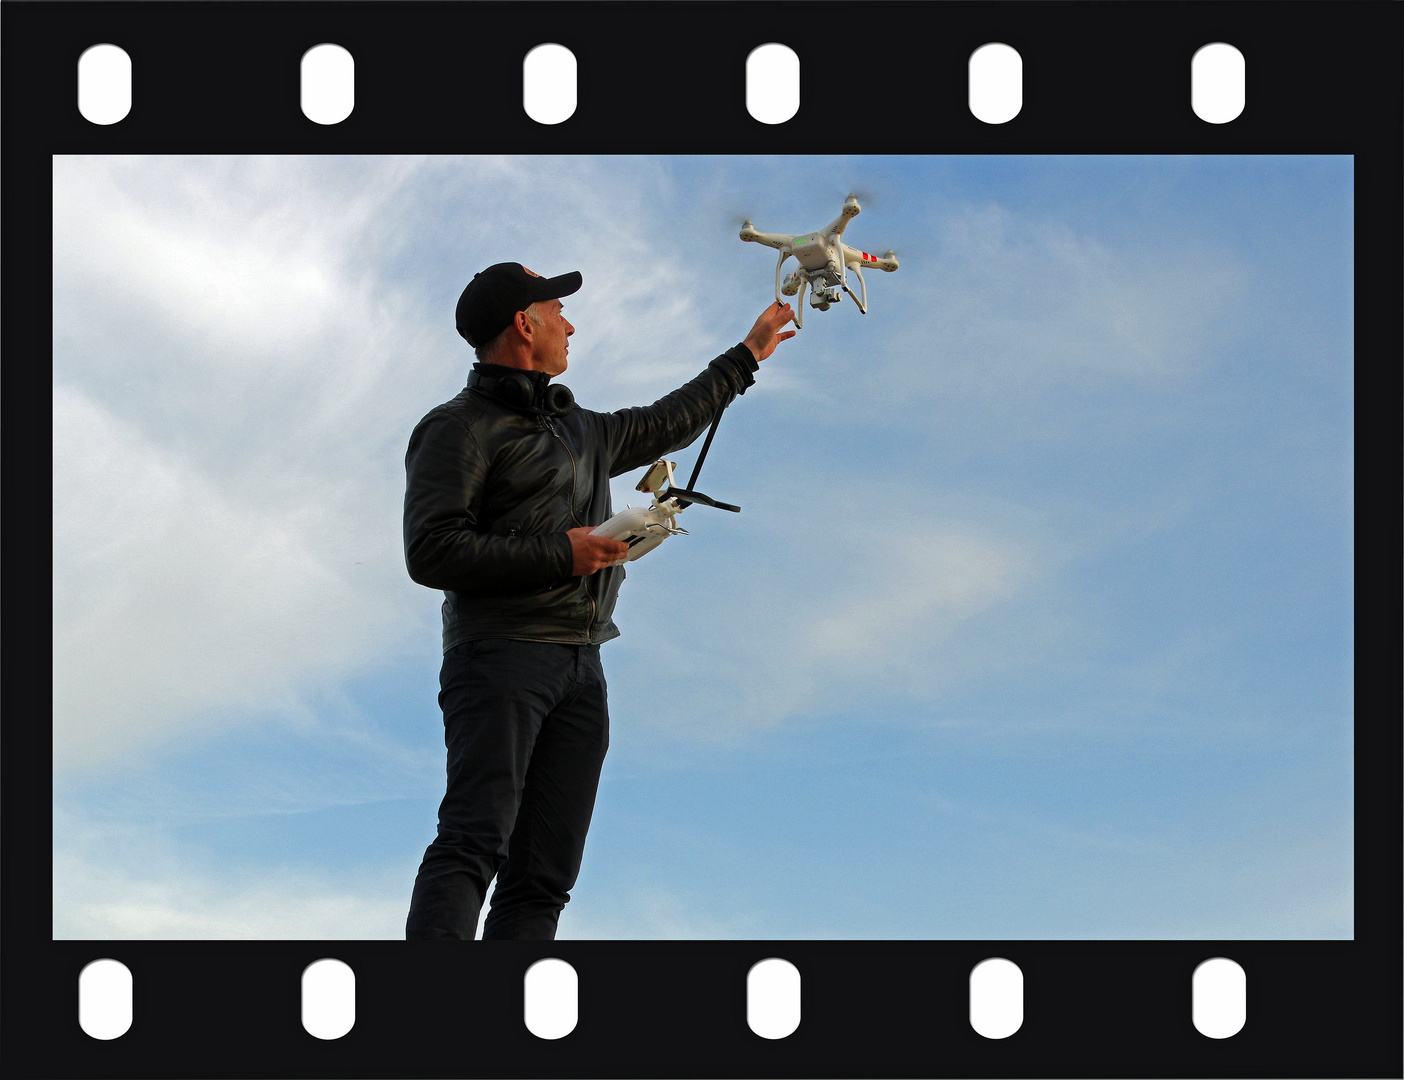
(526, 724)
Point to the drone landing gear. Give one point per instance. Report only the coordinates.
(863, 303)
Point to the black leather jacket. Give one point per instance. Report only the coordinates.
(491, 491)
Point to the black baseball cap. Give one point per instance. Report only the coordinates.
(495, 295)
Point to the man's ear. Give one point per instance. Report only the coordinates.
(523, 324)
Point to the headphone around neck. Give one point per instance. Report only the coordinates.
(517, 391)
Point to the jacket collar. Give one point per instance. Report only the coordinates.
(498, 371)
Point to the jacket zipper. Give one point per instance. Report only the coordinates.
(593, 609)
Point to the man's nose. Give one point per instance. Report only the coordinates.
(569, 329)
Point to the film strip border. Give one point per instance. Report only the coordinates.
(648, 1009)
(668, 76)
(445, 77)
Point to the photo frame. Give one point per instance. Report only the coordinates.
(659, 77)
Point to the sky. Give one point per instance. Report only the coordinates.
(1036, 621)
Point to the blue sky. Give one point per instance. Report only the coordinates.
(1036, 622)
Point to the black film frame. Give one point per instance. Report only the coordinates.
(1324, 78)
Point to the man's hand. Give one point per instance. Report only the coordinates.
(763, 337)
(594, 552)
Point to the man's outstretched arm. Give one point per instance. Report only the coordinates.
(640, 435)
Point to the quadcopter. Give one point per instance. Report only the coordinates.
(824, 262)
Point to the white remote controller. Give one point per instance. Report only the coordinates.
(642, 528)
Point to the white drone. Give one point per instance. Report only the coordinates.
(824, 262)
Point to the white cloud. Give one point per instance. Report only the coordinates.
(921, 574)
(1049, 302)
(235, 307)
(653, 912)
(173, 599)
(118, 884)
(169, 907)
(995, 310)
(234, 386)
(823, 611)
(258, 247)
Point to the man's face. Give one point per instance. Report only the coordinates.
(551, 340)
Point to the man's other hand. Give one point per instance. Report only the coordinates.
(763, 337)
(594, 552)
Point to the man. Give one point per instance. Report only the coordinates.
(505, 484)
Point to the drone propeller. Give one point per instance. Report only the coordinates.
(864, 196)
(763, 222)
